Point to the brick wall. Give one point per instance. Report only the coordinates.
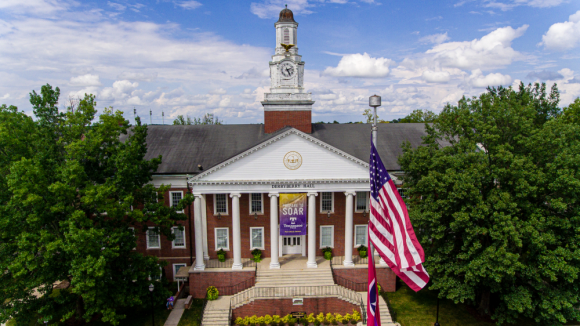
(166, 252)
(276, 120)
(283, 307)
(385, 276)
(200, 281)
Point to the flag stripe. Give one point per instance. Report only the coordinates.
(390, 229)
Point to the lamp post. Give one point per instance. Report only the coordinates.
(151, 288)
(437, 318)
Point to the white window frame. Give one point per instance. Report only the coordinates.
(331, 236)
(147, 238)
(173, 246)
(134, 235)
(171, 199)
(332, 202)
(215, 206)
(367, 203)
(216, 238)
(261, 247)
(404, 190)
(356, 245)
(176, 270)
(261, 212)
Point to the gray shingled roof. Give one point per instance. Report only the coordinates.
(184, 147)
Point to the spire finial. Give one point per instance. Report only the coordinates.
(286, 6)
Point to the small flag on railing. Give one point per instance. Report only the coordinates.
(390, 229)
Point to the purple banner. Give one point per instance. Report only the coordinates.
(292, 214)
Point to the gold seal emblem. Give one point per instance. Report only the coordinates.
(292, 160)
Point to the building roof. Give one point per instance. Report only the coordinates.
(183, 148)
(286, 16)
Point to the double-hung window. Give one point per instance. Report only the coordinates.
(360, 235)
(402, 192)
(326, 236)
(153, 239)
(220, 204)
(176, 268)
(222, 238)
(179, 241)
(362, 202)
(257, 238)
(256, 205)
(175, 197)
(326, 202)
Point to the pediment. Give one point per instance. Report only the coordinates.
(292, 155)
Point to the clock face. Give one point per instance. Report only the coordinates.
(287, 69)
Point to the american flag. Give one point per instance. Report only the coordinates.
(390, 229)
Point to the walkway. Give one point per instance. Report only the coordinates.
(176, 313)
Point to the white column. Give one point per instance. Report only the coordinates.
(312, 230)
(199, 265)
(237, 241)
(348, 229)
(274, 234)
(204, 227)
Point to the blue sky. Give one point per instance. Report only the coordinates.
(195, 57)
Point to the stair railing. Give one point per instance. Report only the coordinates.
(253, 293)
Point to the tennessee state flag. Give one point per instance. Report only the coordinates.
(373, 316)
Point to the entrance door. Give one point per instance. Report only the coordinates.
(291, 245)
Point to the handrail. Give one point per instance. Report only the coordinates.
(241, 298)
(233, 289)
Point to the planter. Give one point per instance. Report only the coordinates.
(328, 255)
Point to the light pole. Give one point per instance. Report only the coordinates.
(437, 320)
(374, 102)
(151, 288)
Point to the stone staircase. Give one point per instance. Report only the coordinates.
(217, 312)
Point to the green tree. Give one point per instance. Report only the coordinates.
(418, 116)
(498, 210)
(207, 119)
(70, 188)
(572, 112)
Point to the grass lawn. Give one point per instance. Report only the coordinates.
(192, 315)
(420, 309)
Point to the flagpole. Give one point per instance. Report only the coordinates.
(374, 102)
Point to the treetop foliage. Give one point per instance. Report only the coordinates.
(494, 198)
(70, 188)
(207, 119)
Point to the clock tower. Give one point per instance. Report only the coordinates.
(287, 104)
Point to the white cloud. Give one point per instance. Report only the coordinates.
(478, 79)
(116, 6)
(121, 90)
(504, 6)
(563, 36)
(85, 80)
(360, 65)
(435, 38)
(436, 76)
(137, 76)
(189, 5)
(271, 8)
(34, 6)
(491, 51)
(218, 91)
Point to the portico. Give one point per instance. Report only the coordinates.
(330, 178)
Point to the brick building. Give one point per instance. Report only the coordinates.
(237, 173)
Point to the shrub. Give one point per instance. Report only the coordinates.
(257, 254)
(311, 319)
(212, 293)
(292, 321)
(329, 318)
(327, 253)
(356, 317)
(254, 320)
(268, 319)
(239, 321)
(339, 319)
(286, 319)
(347, 318)
(362, 251)
(276, 319)
(221, 254)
